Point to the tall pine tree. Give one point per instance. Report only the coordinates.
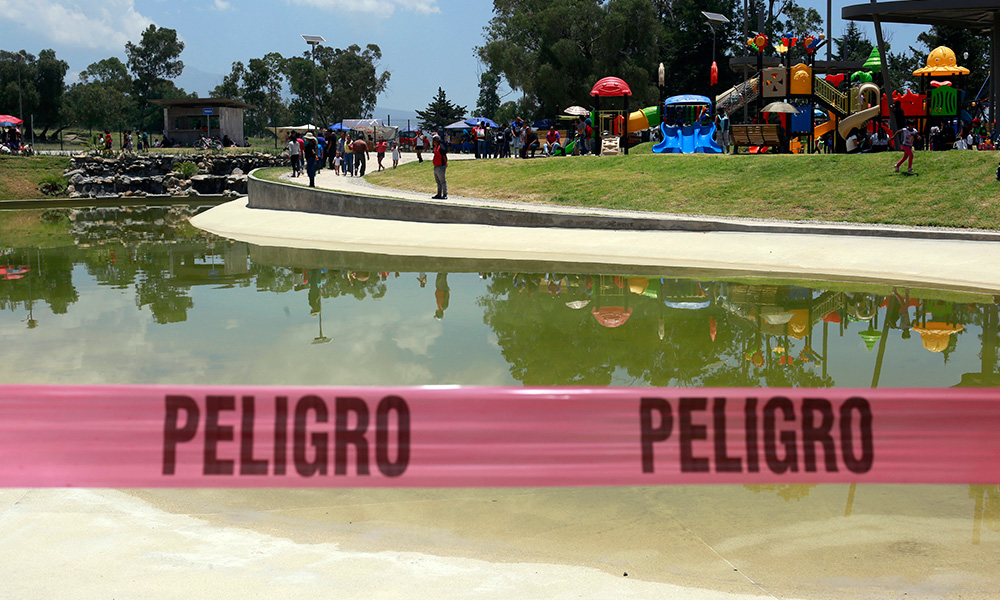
(440, 112)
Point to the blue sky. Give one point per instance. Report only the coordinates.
(425, 44)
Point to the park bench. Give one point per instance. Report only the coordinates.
(753, 135)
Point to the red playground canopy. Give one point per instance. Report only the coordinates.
(610, 86)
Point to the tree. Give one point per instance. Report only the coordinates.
(50, 75)
(853, 45)
(262, 88)
(17, 84)
(440, 112)
(103, 99)
(230, 86)
(155, 58)
(489, 100)
(347, 83)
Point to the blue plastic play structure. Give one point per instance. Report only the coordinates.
(688, 135)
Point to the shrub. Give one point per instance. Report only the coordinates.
(186, 170)
(53, 185)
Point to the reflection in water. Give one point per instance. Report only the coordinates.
(183, 307)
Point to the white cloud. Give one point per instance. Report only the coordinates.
(382, 8)
(97, 24)
(221, 5)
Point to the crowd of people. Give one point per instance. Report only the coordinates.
(518, 139)
(347, 154)
(12, 142)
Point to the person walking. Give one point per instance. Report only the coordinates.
(909, 134)
(395, 154)
(293, 153)
(361, 155)
(349, 157)
(440, 166)
(380, 153)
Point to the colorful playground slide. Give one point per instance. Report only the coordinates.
(688, 140)
(824, 128)
(641, 120)
(856, 120)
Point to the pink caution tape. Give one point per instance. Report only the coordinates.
(161, 436)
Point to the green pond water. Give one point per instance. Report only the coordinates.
(142, 297)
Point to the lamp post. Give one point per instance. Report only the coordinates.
(313, 41)
(20, 103)
(713, 20)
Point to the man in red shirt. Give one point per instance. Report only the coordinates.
(440, 165)
(552, 141)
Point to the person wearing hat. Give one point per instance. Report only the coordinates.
(440, 166)
(311, 151)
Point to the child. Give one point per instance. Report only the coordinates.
(395, 154)
(909, 135)
(336, 164)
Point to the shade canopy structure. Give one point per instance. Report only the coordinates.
(981, 17)
(281, 131)
(9, 120)
(610, 87)
(473, 121)
(780, 107)
(577, 111)
(457, 125)
(687, 99)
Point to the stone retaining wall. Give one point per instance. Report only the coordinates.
(154, 175)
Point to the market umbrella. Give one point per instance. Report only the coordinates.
(457, 125)
(780, 107)
(9, 120)
(578, 111)
(477, 120)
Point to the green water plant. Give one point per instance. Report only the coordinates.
(187, 169)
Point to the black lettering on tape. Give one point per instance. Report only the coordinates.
(690, 432)
(248, 464)
(723, 462)
(215, 433)
(813, 433)
(172, 435)
(854, 463)
(319, 441)
(790, 462)
(389, 405)
(649, 435)
(346, 436)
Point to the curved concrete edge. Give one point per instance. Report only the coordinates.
(289, 197)
(952, 264)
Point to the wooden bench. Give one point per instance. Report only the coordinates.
(753, 135)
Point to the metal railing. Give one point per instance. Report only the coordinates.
(740, 94)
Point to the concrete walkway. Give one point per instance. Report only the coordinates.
(948, 258)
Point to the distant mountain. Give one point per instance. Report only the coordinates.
(395, 117)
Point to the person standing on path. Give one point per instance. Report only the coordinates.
(380, 153)
(293, 153)
(311, 151)
(440, 166)
(349, 157)
(361, 155)
(909, 135)
(395, 154)
(419, 145)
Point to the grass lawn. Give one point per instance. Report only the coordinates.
(953, 189)
(20, 176)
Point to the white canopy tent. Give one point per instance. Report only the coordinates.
(282, 131)
(372, 128)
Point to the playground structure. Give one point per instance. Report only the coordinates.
(687, 126)
(849, 102)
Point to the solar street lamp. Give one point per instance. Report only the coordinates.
(313, 41)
